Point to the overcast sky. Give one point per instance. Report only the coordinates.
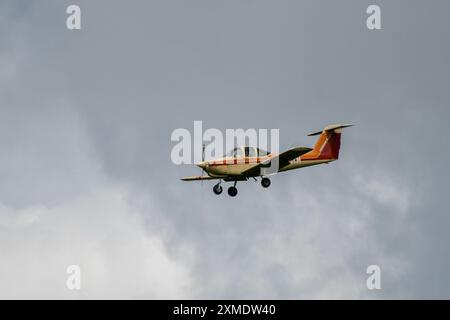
(86, 177)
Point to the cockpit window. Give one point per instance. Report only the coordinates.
(238, 153)
(235, 153)
(250, 152)
(262, 153)
(232, 153)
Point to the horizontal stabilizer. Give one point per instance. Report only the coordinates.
(330, 128)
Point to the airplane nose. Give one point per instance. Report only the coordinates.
(202, 164)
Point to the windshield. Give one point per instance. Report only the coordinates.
(248, 151)
(235, 153)
(262, 153)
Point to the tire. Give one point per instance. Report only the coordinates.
(217, 189)
(232, 191)
(265, 182)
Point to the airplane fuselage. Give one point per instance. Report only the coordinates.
(226, 167)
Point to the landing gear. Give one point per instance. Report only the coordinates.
(232, 191)
(217, 189)
(265, 182)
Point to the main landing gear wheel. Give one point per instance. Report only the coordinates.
(232, 191)
(265, 182)
(217, 189)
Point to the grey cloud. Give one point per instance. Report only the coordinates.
(95, 109)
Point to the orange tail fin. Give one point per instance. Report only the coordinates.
(329, 142)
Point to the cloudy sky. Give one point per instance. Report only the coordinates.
(86, 176)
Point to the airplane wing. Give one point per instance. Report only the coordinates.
(283, 160)
(196, 178)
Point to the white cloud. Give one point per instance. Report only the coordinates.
(100, 233)
(304, 238)
(59, 208)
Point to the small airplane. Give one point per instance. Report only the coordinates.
(246, 162)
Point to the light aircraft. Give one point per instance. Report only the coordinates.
(246, 162)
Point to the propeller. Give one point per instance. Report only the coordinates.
(203, 159)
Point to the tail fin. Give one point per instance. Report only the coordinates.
(329, 142)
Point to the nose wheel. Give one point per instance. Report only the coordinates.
(217, 189)
(265, 182)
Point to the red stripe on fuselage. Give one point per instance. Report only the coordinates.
(246, 160)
